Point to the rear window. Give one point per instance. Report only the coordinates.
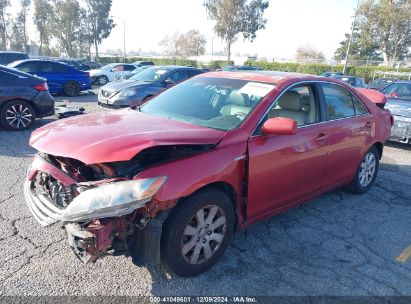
(6, 58)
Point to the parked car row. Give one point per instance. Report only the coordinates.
(61, 78)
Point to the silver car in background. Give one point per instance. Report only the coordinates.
(399, 103)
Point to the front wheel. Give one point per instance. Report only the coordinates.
(366, 172)
(197, 233)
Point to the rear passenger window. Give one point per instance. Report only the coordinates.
(339, 101)
(360, 109)
(28, 67)
(50, 67)
(129, 68)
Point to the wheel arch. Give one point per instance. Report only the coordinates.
(30, 102)
(380, 148)
(227, 189)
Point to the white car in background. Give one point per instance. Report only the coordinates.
(110, 72)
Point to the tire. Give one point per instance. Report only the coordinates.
(366, 172)
(185, 250)
(71, 88)
(102, 80)
(17, 115)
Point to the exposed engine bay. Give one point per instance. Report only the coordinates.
(66, 190)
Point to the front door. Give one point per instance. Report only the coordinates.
(286, 168)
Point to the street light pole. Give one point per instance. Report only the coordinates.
(349, 42)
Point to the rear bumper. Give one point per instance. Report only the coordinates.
(44, 104)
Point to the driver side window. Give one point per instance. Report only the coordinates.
(178, 76)
(298, 103)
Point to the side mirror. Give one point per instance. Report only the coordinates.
(279, 126)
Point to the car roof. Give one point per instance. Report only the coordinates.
(12, 52)
(261, 76)
(173, 67)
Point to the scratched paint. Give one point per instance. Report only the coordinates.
(405, 255)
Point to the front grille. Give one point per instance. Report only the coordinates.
(42, 208)
(47, 198)
(111, 106)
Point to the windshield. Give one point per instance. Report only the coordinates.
(138, 71)
(217, 103)
(398, 90)
(150, 74)
(108, 66)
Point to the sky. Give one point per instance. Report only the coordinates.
(290, 24)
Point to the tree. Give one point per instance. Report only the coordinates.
(360, 49)
(66, 25)
(17, 32)
(98, 14)
(191, 43)
(388, 24)
(22, 23)
(170, 45)
(4, 4)
(234, 17)
(308, 53)
(43, 13)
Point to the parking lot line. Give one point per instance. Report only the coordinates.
(405, 255)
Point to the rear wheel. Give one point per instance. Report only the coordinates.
(17, 115)
(197, 233)
(366, 172)
(71, 88)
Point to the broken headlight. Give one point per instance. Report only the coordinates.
(112, 199)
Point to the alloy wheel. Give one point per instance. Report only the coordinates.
(19, 116)
(102, 80)
(203, 234)
(367, 169)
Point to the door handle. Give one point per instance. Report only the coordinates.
(368, 125)
(321, 137)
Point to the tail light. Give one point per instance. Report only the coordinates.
(42, 87)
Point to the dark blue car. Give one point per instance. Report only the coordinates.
(61, 78)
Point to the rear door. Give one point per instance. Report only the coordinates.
(55, 73)
(286, 168)
(349, 125)
(4, 79)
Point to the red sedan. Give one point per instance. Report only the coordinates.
(174, 179)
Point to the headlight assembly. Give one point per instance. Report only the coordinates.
(129, 93)
(112, 199)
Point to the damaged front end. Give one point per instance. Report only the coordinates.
(101, 206)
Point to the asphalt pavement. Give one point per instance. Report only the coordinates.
(339, 244)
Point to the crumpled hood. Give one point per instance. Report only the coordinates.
(121, 85)
(399, 107)
(116, 135)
